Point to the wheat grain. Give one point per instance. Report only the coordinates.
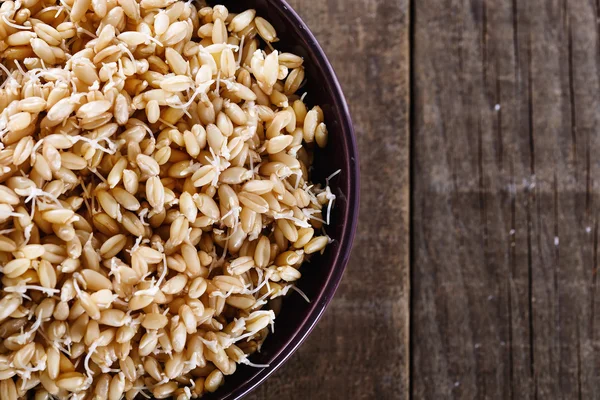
(213, 381)
(158, 147)
(265, 29)
(117, 386)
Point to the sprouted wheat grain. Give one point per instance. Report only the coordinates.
(155, 199)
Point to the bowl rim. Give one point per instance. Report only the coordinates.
(350, 217)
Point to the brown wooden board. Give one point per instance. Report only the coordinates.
(359, 350)
(498, 298)
(505, 199)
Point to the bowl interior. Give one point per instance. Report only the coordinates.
(321, 276)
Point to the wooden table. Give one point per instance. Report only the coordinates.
(482, 116)
(359, 350)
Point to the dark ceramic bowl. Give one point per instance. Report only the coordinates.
(321, 276)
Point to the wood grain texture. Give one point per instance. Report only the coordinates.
(505, 199)
(359, 350)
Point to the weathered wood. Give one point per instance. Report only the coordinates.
(505, 199)
(359, 349)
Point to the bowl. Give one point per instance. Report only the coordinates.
(320, 277)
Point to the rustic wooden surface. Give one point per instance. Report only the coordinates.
(505, 199)
(359, 350)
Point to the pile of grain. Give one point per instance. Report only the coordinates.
(155, 201)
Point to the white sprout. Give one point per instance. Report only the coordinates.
(12, 24)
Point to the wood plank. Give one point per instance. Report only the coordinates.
(359, 349)
(505, 199)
